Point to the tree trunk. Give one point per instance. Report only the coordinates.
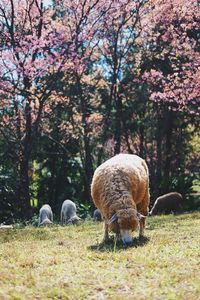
(159, 165)
(159, 140)
(141, 130)
(118, 118)
(24, 190)
(53, 185)
(106, 121)
(26, 148)
(168, 148)
(113, 96)
(126, 135)
(88, 166)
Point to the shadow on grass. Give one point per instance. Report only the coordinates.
(113, 246)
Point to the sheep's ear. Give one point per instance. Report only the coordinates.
(140, 216)
(112, 219)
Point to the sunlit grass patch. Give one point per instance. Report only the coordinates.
(71, 262)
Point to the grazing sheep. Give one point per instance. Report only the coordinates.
(165, 204)
(45, 215)
(120, 189)
(68, 213)
(2, 226)
(97, 215)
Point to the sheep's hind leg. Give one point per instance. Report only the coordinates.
(106, 237)
(143, 210)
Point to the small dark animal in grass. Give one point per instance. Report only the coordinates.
(45, 215)
(168, 203)
(68, 213)
(97, 215)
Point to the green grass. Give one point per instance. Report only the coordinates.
(70, 263)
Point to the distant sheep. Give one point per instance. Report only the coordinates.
(97, 215)
(120, 189)
(45, 215)
(168, 203)
(68, 213)
(2, 226)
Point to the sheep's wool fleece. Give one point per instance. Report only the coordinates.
(119, 183)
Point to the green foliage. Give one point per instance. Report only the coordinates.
(184, 184)
(84, 210)
(8, 186)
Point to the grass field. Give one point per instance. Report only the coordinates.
(70, 263)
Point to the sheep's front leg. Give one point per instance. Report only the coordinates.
(142, 226)
(106, 237)
(143, 211)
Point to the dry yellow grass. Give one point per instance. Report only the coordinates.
(69, 263)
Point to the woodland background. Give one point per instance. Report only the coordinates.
(81, 81)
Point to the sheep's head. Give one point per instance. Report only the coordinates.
(124, 221)
(74, 220)
(46, 222)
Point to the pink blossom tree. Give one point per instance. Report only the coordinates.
(85, 58)
(171, 35)
(121, 28)
(168, 62)
(85, 21)
(41, 46)
(31, 59)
